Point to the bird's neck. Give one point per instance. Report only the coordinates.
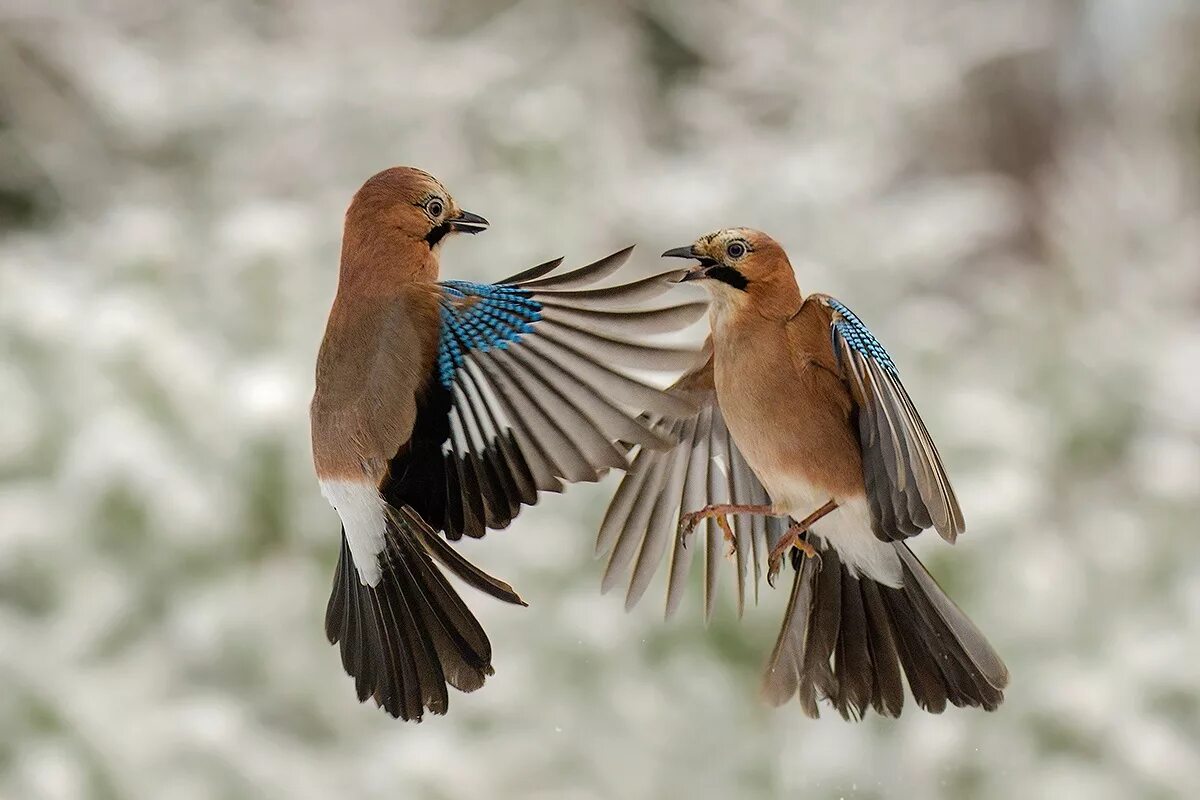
(376, 265)
(735, 308)
(777, 295)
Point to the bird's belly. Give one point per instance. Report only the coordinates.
(793, 465)
(797, 440)
(846, 528)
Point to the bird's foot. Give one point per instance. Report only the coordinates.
(796, 537)
(790, 539)
(719, 513)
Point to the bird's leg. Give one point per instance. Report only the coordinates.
(792, 539)
(689, 521)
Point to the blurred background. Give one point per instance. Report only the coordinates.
(1008, 193)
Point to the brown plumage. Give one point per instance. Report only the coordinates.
(444, 408)
(817, 417)
(367, 387)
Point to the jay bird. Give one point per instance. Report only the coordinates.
(442, 408)
(808, 440)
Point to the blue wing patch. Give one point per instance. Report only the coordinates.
(858, 336)
(481, 316)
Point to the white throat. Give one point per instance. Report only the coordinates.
(726, 301)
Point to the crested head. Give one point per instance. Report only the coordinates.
(743, 268)
(400, 218)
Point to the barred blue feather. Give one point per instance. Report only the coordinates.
(859, 337)
(496, 316)
(522, 398)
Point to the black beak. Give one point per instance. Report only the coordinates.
(680, 252)
(466, 222)
(693, 274)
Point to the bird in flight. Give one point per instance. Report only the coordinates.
(806, 449)
(443, 407)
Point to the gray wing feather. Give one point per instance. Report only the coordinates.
(704, 467)
(906, 481)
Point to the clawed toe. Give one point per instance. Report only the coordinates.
(790, 540)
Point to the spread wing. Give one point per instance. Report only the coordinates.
(529, 391)
(906, 482)
(704, 467)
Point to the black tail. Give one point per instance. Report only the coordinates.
(846, 639)
(409, 635)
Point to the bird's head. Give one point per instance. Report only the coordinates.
(740, 266)
(403, 205)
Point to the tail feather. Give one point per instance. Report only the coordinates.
(852, 658)
(457, 637)
(887, 688)
(847, 638)
(405, 638)
(824, 625)
(969, 639)
(925, 680)
(782, 678)
(972, 673)
(410, 678)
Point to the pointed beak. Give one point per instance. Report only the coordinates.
(680, 252)
(698, 272)
(466, 222)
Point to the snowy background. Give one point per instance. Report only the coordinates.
(1008, 192)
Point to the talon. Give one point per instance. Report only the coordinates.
(723, 524)
(687, 525)
(792, 539)
(804, 546)
(775, 559)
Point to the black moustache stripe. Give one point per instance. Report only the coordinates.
(437, 232)
(728, 275)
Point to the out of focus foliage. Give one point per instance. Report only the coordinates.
(1008, 192)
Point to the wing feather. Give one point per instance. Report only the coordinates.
(906, 481)
(664, 518)
(704, 467)
(528, 392)
(695, 496)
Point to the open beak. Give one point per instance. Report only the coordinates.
(698, 272)
(466, 222)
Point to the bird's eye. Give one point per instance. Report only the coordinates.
(435, 207)
(736, 250)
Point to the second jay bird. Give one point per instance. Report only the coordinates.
(807, 449)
